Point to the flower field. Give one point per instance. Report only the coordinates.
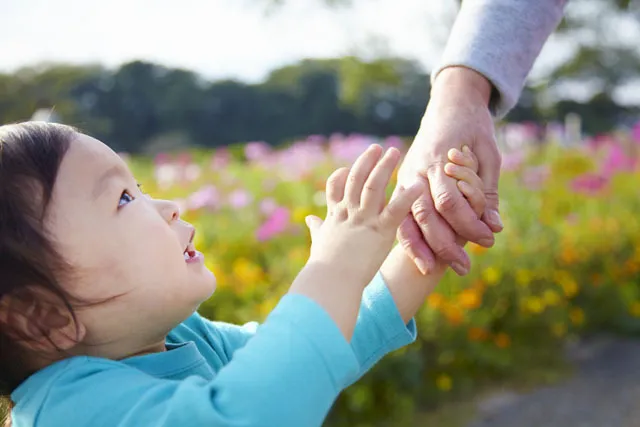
(567, 262)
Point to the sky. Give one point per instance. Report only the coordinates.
(218, 38)
(236, 39)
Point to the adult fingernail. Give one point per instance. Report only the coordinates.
(460, 269)
(494, 218)
(486, 243)
(422, 266)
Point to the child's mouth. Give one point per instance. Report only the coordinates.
(190, 254)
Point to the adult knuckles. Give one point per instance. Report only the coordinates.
(447, 201)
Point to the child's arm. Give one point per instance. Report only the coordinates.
(384, 321)
(407, 285)
(296, 363)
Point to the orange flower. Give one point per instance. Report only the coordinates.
(453, 314)
(477, 334)
(476, 249)
(577, 316)
(596, 279)
(569, 255)
(435, 300)
(470, 299)
(502, 340)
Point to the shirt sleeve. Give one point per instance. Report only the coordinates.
(379, 329)
(501, 40)
(288, 374)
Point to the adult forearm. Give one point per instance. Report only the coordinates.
(501, 39)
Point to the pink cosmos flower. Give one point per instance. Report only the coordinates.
(274, 225)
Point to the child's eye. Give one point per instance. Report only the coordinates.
(125, 198)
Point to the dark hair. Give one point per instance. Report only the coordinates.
(30, 157)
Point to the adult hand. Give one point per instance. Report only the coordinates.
(458, 114)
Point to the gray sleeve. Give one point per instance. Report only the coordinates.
(501, 39)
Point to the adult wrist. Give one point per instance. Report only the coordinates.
(464, 81)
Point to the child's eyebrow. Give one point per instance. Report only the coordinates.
(101, 183)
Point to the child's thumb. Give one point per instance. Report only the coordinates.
(314, 223)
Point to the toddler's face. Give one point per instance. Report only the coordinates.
(127, 252)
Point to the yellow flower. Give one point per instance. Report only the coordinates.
(444, 382)
(491, 275)
(502, 340)
(300, 213)
(470, 299)
(534, 305)
(559, 329)
(568, 283)
(299, 254)
(577, 316)
(551, 297)
(247, 272)
(435, 300)
(634, 309)
(221, 279)
(523, 277)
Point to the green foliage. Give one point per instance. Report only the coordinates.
(550, 276)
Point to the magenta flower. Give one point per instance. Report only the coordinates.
(635, 133)
(513, 160)
(207, 196)
(161, 158)
(256, 150)
(238, 199)
(393, 141)
(268, 205)
(274, 225)
(535, 177)
(589, 183)
(220, 159)
(616, 161)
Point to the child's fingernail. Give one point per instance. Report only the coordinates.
(459, 268)
(422, 265)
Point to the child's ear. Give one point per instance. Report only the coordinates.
(38, 320)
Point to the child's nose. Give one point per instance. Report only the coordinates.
(169, 210)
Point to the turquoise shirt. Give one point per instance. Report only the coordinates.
(285, 372)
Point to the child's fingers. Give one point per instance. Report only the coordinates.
(475, 196)
(462, 173)
(396, 211)
(359, 173)
(464, 158)
(335, 187)
(374, 192)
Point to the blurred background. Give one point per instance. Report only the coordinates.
(240, 109)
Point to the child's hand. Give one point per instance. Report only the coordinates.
(464, 168)
(360, 227)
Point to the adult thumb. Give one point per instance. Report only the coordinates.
(313, 223)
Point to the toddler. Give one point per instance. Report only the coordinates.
(100, 283)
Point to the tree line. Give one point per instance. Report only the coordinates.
(146, 107)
